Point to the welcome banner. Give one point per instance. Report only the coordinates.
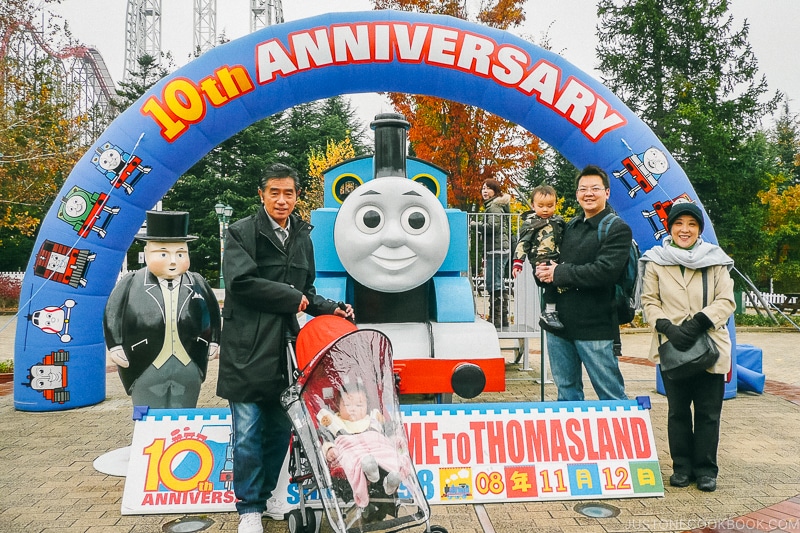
(181, 461)
(533, 451)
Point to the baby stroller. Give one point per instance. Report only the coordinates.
(349, 447)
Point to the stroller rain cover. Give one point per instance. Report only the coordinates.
(345, 412)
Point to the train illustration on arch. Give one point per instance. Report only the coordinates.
(386, 241)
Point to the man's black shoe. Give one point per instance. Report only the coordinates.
(550, 321)
(707, 483)
(680, 480)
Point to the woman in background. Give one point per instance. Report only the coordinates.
(494, 229)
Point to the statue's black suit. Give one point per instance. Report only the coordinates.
(135, 319)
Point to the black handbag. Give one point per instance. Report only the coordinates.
(676, 364)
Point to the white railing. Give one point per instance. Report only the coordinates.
(773, 298)
(520, 296)
(13, 275)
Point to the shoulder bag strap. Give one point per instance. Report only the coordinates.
(705, 287)
(605, 225)
(602, 233)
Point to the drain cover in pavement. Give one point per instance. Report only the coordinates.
(597, 510)
(187, 524)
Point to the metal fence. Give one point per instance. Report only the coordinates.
(517, 299)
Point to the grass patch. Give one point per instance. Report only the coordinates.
(747, 319)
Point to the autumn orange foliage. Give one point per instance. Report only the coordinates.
(784, 206)
(469, 143)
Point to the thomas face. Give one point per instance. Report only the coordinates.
(166, 260)
(46, 377)
(656, 161)
(109, 159)
(49, 319)
(391, 234)
(75, 206)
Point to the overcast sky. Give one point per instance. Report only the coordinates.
(571, 25)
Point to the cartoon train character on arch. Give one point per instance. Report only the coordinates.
(386, 241)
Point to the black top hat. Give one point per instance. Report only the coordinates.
(166, 226)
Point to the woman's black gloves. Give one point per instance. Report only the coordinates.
(679, 339)
(684, 336)
(697, 325)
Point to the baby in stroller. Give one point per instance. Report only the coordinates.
(350, 446)
(356, 442)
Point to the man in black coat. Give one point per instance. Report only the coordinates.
(161, 323)
(269, 277)
(585, 276)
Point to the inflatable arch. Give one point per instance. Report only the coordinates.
(59, 351)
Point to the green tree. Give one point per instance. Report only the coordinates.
(341, 122)
(786, 138)
(230, 173)
(553, 169)
(309, 127)
(693, 78)
(780, 233)
(148, 73)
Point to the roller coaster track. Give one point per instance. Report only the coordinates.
(85, 74)
(83, 71)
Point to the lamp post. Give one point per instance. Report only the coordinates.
(224, 213)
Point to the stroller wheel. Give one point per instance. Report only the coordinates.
(437, 529)
(295, 520)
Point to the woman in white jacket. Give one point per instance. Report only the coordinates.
(672, 303)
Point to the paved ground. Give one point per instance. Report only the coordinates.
(48, 483)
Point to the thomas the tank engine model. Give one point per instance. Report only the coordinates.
(386, 242)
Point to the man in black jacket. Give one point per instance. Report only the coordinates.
(585, 276)
(269, 277)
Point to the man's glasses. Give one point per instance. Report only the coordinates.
(593, 190)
